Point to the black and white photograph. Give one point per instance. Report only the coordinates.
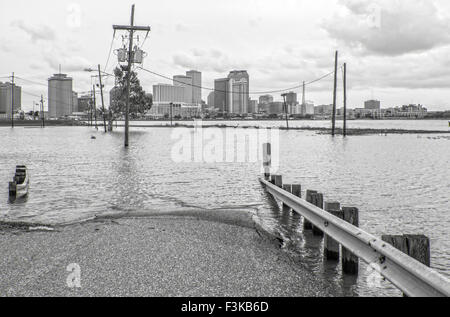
(225, 156)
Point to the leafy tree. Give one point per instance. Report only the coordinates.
(139, 101)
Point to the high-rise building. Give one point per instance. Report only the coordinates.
(196, 86)
(221, 95)
(6, 92)
(187, 83)
(265, 100)
(253, 106)
(60, 96)
(239, 90)
(307, 108)
(74, 102)
(372, 105)
(211, 100)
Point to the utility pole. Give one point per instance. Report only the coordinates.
(334, 94)
(131, 29)
(42, 111)
(12, 101)
(95, 109)
(103, 101)
(171, 114)
(345, 100)
(286, 110)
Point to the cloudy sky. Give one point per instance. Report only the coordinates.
(397, 51)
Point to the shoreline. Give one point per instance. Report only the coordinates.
(154, 256)
(319, 130)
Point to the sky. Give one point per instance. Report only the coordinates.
(397, 51)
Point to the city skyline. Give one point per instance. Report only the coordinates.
(394, 64)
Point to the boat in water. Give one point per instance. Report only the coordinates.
(20, 185)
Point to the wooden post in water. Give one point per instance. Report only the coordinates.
(416, 246)
(306, 224)
(297, 190)
(267, 160)
(278, 181)
(317, 200)
(331, 246)
(350, 262)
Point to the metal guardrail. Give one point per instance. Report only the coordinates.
(413, 278)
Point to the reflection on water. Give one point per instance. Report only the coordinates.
(400, 183)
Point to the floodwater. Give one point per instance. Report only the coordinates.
(400, 183)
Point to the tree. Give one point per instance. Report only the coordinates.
(140, 102)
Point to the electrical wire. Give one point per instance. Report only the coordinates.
(250, 93)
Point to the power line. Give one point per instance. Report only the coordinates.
(250, 93)
(110, 51)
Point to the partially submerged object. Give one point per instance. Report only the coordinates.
(19, 186)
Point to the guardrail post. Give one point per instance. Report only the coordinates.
(267, 160)
(331, 250)
(286, 208)
(416, 246)
(317, 200)
(350, 262)
(306, 224)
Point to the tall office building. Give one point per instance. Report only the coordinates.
(74, 102)
(221, 95)
(187, 83)
(211, 100)
(239, 86)
(6, 92)
(196, 86)
(167, 93)
(60, 96)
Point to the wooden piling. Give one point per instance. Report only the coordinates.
(278, 181)
(306, 224)
(297, 190)
(331, 246)
(416, 246)
(350, 262)
(317, 200)
(267, 159)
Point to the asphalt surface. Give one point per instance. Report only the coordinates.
(152, 257)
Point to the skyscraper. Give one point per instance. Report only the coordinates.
(60, 96)
(196, 86)
(221, 94)
(6, 98)
(239, 89)
(187, 83)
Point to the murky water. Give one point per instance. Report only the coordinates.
(400, 183)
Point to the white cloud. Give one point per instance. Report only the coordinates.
(389, 27)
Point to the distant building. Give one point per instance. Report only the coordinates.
(167, 93)
(275, 108)
(307, 109)
(60, 96)
(265, 100)
(211, 100)
(253, 106)
(84, 103)
(323, 110)
(196, 86)
(6, 92)
(187, 83)
(221, 95)
(239, 89)
(74, 102)
(372, 105)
